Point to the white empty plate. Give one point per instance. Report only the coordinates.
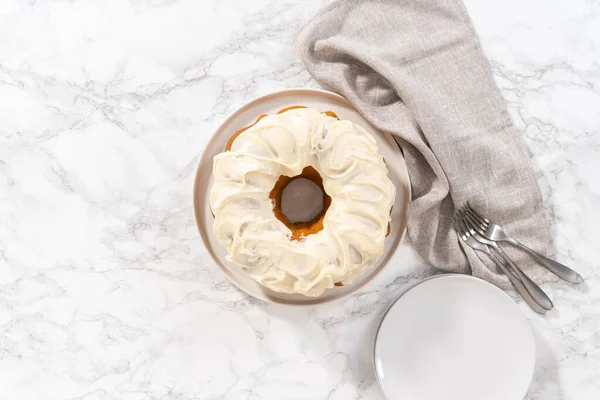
(454, 337)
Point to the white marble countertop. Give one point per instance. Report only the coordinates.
(106, 291)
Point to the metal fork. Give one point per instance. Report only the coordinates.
(464, 234)
(536, 292)
(495, 232)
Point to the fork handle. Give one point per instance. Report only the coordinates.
(562, 271)
(536, 292)
(519, 287)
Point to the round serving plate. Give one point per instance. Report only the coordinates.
(454, 337)
(271, 104)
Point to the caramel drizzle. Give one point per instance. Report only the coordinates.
(300, 229)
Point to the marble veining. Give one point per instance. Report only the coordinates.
(105, 289)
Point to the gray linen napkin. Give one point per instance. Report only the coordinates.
(415, 69)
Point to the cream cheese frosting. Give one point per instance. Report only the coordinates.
(354, 176)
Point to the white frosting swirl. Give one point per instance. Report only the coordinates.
(354, 176)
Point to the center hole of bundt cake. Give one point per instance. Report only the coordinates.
(300, 202)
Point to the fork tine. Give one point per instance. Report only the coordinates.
(473, 224)
(461, 225)
(461, 219)
(487, 221)
(473, 217)
(478, 217)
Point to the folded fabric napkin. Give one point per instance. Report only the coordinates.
(415, 69)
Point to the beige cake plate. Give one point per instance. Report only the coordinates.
(271, 104)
